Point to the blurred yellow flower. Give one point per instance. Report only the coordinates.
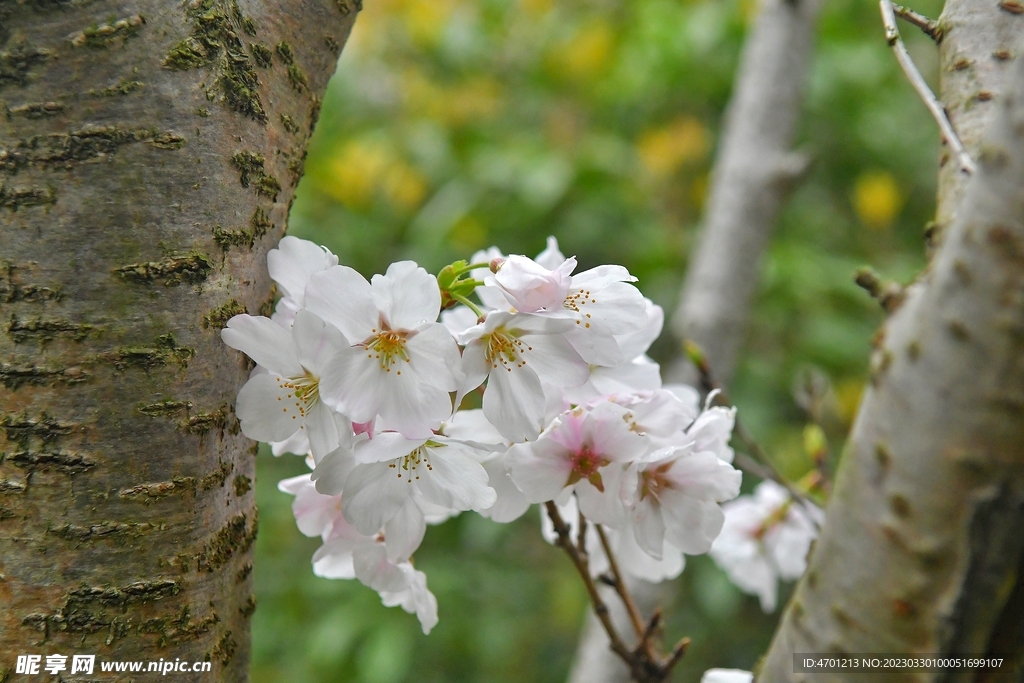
(427, 19)
(585, 55)
(848, 394)
(451, 105)
(664, 150)
(363, 169)
(537, 8)
(877, 199)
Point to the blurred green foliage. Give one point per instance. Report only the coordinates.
(452, 125)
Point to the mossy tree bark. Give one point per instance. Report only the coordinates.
(148, 156)
(922, 550)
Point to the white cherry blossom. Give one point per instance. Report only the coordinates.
(291, 265)
(766, 537)
(513, 352)
(677, 497)
(348, 554)
(285, 399)
(472, 427)
(727, 676)
(402, 364)
(390, 471)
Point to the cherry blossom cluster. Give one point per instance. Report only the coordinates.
(366, 380)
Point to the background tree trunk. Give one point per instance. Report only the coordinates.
(753, 173)
(148, 156)
(922, 548)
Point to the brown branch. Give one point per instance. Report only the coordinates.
(620, 587)
(564, 541)
(645, 665)
(930, 27)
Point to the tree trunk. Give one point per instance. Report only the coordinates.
(922, 548)
(148, 156)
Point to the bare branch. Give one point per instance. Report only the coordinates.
(892, 36)
(645, 664)
(930, 27)
(620, 588)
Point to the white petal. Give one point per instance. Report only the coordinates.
(351, 384)
(321, 429)
(636, 342)
(404, 532)
(551, 257)
(332, 471)
(385, 447)
(315, 341)
(602, 507)
(704, 476)
(333, 560)
(297, 443)
(511, 503)
(267, 409)
(455, 480)
(265, 342)
(553, 358)
(594, 347)
(514, 402)
(407, 295)
(474, 368)
(343, 298)
(374, 570)
(540, 470)
(648, 527)
(373, 494)
(727, 676)
(690, 525)
(294, 260)
(415, 598)
(434, 355)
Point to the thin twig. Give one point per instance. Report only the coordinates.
(758, 462)
(581, 535)
(645, 665)
(620, 587)
(930, 27)
(582, 567)
(892, 36)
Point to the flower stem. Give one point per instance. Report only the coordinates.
(466, 302)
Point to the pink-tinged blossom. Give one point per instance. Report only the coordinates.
(766, 537)
(530, 287)
(600, 302)
(402, 364)
(390, 471)
(583, 451)
(348, 554)
(291, 265)
(677, 497)
(285, 399)
(727, 676)
(514, 352)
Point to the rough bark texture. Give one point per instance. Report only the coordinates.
(753, 173)
(979, 42)
(922, 545)
(148, 153)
